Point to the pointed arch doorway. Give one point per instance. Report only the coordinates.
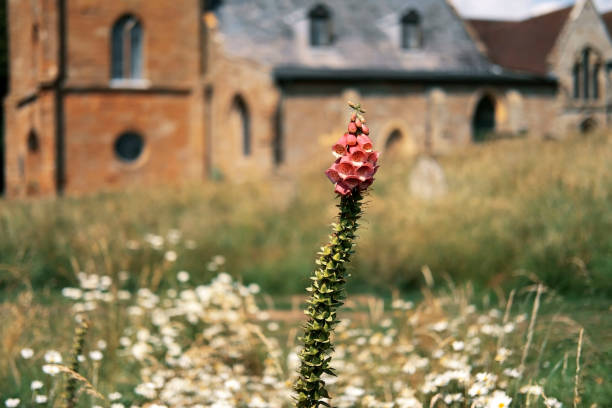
(483, 121)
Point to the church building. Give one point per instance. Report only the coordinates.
(132, 93)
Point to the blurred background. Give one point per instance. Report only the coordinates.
(143, 139)
(215, 118)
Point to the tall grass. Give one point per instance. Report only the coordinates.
(516, 211)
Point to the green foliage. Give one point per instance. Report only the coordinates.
(327, 295)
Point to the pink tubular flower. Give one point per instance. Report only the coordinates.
(358, 156)
(351, 140)
(332, 175)
(351, 181)
(365, 143)
(344, 167)
(366, 171)
(339, 149)
(365, 184)
(342, 189)
(357, 162)
(373, 157)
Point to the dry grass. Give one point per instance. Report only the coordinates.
(517, 212)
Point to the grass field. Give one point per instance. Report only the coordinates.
(516, 212)
(442, 297)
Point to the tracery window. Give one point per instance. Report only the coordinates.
(585, 75)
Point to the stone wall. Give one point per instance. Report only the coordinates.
(435, 119)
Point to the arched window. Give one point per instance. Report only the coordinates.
(320, 26)
(33, 142)
(126, 48)
(412, 35)
(483, 122)
(242, 111)
(393, 141)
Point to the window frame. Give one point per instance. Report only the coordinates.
(127, 50)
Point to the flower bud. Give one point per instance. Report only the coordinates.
(365, 129)
(352, 128)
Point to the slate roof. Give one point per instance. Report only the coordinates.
(366, 36)
(522, 45)
(607, 19)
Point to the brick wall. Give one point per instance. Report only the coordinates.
(166, 108)
(95, 120)
(171, 40)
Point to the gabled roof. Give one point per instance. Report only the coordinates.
(522, 45)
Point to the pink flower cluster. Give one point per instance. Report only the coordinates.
(356, 160)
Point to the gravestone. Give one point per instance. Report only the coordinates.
(427, 180)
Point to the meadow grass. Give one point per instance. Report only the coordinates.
(516, 211)
(519, 215)
(218, 343)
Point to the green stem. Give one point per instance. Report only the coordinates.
(327, 295)
(70, 395)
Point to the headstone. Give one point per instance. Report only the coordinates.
(427, 180)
